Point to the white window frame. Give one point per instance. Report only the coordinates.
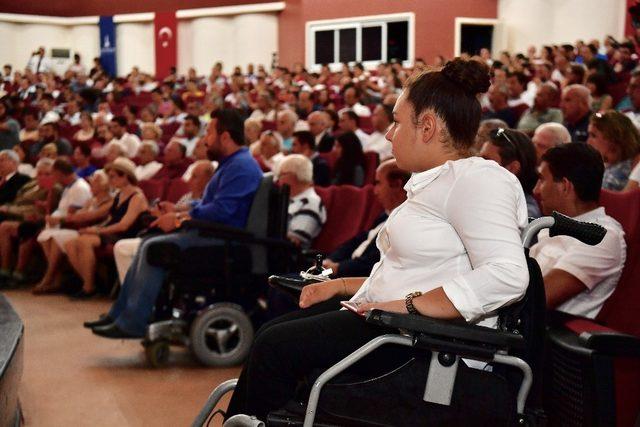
(358, 22)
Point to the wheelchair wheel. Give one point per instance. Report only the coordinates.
(157, 353)
(222, 335)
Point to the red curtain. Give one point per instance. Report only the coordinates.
(166, 40)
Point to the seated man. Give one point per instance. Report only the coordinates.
(49, 134)
(576, 109)
(304, 143)
(227, 200)
(498, 98)
(356, 257)
(175, 161)
(148, 166)
(549, 135)
(10, 180)
(578, 278)
(543, 110)
(306, 211)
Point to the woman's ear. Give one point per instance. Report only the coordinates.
(427, 124)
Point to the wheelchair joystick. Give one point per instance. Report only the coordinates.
(317, 269)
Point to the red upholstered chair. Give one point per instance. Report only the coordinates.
(373, 209)
(371, 162)
(366, 124)
(268, 125)
(153, 188)
(176, 189)
(519, 110)
(169, 129)
(594, 369)
(346, 207)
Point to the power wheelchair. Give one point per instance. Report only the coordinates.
(211, 298)
(413, 395)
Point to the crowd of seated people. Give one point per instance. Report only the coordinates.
(127, 135)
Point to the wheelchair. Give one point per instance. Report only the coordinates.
(212, 296)
(434, 378)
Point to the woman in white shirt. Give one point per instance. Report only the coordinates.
(452, 250)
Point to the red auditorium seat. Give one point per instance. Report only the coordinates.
(169, 129)
(153, 188)
(593, 367)
(176, 189)
(366, 124)
(519, 110)
(371, 162)
(268, 125)
(349, 211)
(67, 131)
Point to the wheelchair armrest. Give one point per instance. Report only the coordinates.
(457, 333)
(611, 343)
(290, 285)
(215, 229)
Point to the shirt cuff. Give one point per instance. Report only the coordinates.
(463, 299)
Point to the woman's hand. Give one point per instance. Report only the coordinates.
(318, 292)
(89, 230)
(397, 306)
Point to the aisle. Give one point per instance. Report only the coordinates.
(73, 378)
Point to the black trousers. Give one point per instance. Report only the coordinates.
(290, 348)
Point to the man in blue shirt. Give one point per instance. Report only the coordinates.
(227, 200)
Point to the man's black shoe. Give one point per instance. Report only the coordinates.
(104, 320)
(112, 331)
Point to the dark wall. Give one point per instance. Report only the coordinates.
(109, 7)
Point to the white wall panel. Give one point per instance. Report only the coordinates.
(256, 38)
(135, 47)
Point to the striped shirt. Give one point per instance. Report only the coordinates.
(306, 217)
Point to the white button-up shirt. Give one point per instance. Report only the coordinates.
(459, 229)
(598, 267)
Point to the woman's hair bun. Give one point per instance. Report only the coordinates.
(471, 75)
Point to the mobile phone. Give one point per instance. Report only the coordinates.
(351, 306)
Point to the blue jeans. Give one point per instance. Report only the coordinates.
(143, 282)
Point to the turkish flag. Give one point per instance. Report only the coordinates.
(166, 31)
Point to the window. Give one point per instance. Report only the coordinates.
(369, 40)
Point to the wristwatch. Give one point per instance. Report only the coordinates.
(408, 302)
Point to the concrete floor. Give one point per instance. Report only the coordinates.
(73, 378)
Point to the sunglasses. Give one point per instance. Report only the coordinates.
(502, 133)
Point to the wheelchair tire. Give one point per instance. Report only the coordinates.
(222, 335)
(157, 353)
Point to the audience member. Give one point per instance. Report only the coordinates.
(514, 151)
(30, 130)
(618, 142)
(578, 278)
(576, 109)
(200, 152)
(350, 122)
(24, 168)
(191, 133)
(82, 161)
(543, 110)
(47, 112)
(498, 98)
(175, 162)
(549, 135)
(270, 151)
(122, 222)
(352, 95)
(86, 131)
(320, 128)
(484, 132)
(10, 179)
(286, 124)
(306, 214)
(600, 100)
(49, 134)
(381, 119)
(63, 228)
(9, 128)
(349, 167)
(148, 166)
(304, 143)
(118, 128)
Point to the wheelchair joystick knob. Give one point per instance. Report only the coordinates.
(446, 359)
(318, 267)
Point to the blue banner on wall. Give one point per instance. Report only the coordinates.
(108, 45)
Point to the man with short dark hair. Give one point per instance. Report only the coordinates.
(191, 133)
(517, 85)
(9, 129)
(350, 122)
(226, 200)
(352, 95)
(378, 143)
(47, 111)
(578, 278)
(81, 159)
(498, 97)
(118, 127)
(304, 143)
(49, 133)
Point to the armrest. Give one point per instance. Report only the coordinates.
(215, 229)
(290, 285)
(455, 331)
(611, 343)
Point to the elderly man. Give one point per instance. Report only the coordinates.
(542, 110)
(227, 200)
(175, 161)
(575, 105)
(270, 149)
(125, 249)
(303, 143)
(10, 180)
(319, 128)
(547, 136)
(148, 166)
(306, 211)
(286, 125)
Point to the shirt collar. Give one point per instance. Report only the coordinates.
(229, 157)
(306, 193)
(420, 180)
(591, 215)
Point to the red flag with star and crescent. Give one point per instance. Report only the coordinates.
(166, 40)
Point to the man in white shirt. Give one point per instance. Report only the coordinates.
(350, 122)
(148, 166)
(578, 278)
(381, 119)
(118, 127)
(39, 63)
(191, 132)
(76, 193)
(49, 115)
(351, 96)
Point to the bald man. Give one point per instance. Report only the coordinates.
(319, 127)
(549, 135)
(575, 105)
